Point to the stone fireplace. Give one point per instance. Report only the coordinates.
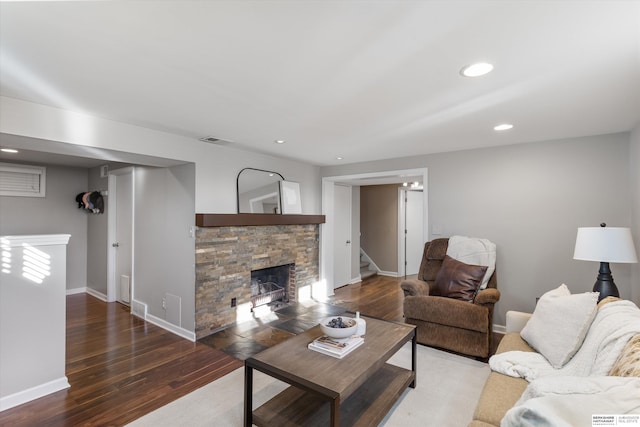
(226, 256)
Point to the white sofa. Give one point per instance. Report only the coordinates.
(512, 400)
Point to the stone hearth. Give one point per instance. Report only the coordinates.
(225, 257)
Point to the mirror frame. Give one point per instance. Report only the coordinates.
(238, 188)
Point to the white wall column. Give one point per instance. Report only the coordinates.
(32, 317)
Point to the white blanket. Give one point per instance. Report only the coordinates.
(571, 401)
(474, 251)
(614, 324)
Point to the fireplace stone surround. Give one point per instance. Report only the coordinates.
(225, 256)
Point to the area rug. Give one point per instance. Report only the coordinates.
(448, 387)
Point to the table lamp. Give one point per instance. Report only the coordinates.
(605, 244)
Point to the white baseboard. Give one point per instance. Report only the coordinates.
(33, 393)
(140, 309)
(388, 273)
(191, 336)
(97, 294)
(355, 280)
(87, 290)
(500, 329)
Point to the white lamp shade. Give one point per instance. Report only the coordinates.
(605, 244)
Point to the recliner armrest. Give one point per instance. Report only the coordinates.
(414, 287)
(487, 296)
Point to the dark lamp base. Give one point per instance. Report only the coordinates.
(605, 284)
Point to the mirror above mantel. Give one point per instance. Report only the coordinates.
(258, 191)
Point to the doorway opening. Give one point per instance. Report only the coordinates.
(328, 238)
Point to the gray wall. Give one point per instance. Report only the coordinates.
(164, 250)
(529, 199)
(57, 213)
(634, 164)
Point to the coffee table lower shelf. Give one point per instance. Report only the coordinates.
(367, 406)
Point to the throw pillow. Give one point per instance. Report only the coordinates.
(560, 323)
(628, 363)
(458, 280)
(474, 251)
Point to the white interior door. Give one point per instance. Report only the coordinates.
(121, 235)
(414, 230)
(342, 236)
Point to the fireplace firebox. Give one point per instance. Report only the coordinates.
(271, 285)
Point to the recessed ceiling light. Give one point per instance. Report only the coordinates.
(338, 158)
(279, 141)
(8, 150)
(504, 126)
(476, 70)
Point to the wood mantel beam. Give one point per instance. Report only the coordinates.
(226, 220)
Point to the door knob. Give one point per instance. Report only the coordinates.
(348, 242)
(115, 245)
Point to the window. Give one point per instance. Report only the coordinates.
(22, 180)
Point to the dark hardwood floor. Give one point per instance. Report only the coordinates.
(121, 368)
(376, 296)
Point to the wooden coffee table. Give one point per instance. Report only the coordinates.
(357, 390)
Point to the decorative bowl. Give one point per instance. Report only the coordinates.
(336, 332)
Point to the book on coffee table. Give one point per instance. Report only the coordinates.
(335, 348)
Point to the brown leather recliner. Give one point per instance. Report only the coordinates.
(461, 326)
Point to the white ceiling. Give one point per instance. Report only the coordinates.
(364, 80)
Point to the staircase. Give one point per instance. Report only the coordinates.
(365, 270)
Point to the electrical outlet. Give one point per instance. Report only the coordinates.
(233, 302)
(164, 303)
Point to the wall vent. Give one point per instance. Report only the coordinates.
(139, 309)
(125, 288)
(22, 180)
(214, 140)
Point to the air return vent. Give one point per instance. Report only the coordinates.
(214, 140)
